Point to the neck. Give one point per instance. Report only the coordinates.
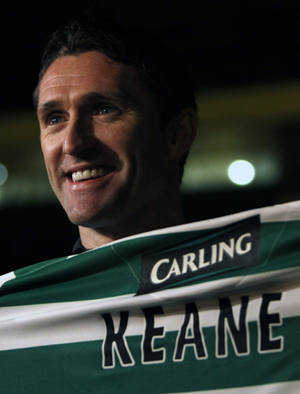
(152, 220)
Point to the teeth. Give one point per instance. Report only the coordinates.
(86, 174)
(93, 173)
(77, 176)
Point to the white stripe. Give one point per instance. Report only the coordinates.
(274, 388)
(6, 278)
(70, 322)
(277, 213)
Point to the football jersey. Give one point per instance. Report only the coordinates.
(206, 307)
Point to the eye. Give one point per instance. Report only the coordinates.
(55, 119)
(106, 110)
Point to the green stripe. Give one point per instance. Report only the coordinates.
(109, 272)
(77, 368)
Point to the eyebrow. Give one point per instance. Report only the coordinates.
(88, 99)
(46, 106)
(94, 97)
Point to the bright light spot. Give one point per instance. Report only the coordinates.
(3, 174)
(241, 172)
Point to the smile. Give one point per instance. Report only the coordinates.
(91, 173)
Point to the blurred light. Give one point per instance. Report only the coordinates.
(241, 172)
(3, 174)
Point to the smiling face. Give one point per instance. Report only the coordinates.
(103, 146)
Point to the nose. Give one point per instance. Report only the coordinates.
(78, 136)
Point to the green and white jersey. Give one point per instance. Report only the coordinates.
(209, 307)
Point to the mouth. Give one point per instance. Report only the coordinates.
(80, 176)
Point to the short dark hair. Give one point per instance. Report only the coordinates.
(161, 69)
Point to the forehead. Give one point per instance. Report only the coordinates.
(90, 72)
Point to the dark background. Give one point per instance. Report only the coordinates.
(226, 43)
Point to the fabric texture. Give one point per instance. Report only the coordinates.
(208, 307)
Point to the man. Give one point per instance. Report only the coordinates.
(117, 115)
(206, 307)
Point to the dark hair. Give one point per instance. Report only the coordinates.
(161, 69)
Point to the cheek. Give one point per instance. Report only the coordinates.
(150, 156)
(51, 157)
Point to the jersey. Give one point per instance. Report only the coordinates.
(208, 307)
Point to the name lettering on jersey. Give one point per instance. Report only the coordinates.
(231, 247)
(231, 331)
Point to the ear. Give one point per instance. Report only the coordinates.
(181, 132)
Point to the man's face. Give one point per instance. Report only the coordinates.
(104, 150)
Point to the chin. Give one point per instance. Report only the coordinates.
(82, 220)
(89, 219)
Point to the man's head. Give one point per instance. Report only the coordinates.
(111, 112)
(158, 66)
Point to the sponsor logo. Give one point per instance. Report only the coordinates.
(234, 246)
